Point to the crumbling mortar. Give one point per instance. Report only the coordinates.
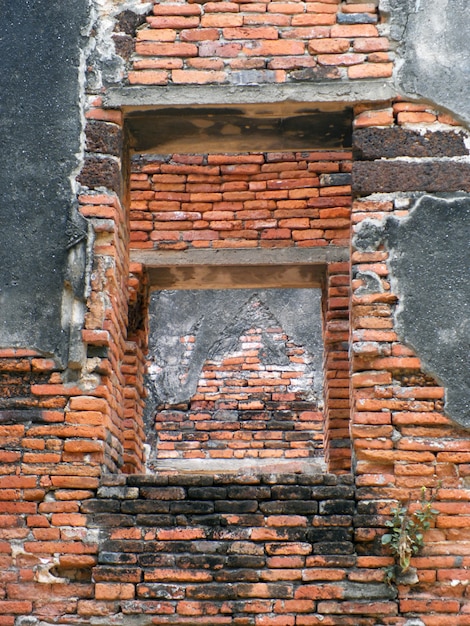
(109, 67)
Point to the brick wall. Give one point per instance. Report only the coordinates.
(240, 201)
(253, 400)
(259, 42)
(402, 439)
(81, 543)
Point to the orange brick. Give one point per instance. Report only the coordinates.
(382, 117)
(166, 49)
(408, 117)
(197, 77)
(371, 70)
(148, 77)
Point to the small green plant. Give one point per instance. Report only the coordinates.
(406, 533)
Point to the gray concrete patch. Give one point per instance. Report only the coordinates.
(40, 127)
(429, 265)
(212, 95)
(210, 316)
(434, 52)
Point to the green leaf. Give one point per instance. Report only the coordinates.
(386, 539)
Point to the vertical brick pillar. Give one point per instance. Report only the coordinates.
(336, 367)
(106, 320)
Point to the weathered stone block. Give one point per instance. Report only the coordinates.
(377, 177)
(370, 144)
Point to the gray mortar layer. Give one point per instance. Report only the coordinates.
(429, 266)
(433, 52)
(212, 317)
(40, 137)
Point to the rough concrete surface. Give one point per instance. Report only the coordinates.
(429, 262)
(40, 128)
(433, 51)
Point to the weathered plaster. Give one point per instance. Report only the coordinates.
(429, 264)
(212, 317)
(41, 125)
(433, 52)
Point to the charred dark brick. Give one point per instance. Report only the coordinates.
(196, 507)
(117, 558)
(207, 520)
(316, 73)
(245, 561)
(159, 591)
(386, 176)
(332, 520)
(337, 492)
(155, 520)
(117, 574)
(281, 479)
(236, 575)
(123, 545)
(327, 180)
(100, 172)
(100, 506)
(163, 493)
(207, 493)
(333, 548)
(103, 137)
(124, 45)
(280, 425)
(111, 520)
(388, 143)
(156, 560)
(210, 592)
(289, 507)
(128, 22)
(286, 492)
(146, 480)
(370, 521)
(190, 480)
(313, 479)
(236, 506)
(337, 507)
(134, 507)
(330, 534)
(21, 416)
(166, 546)
(244, 492)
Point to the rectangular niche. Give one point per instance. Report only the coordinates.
(235, 380)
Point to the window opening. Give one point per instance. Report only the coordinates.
(235, 379)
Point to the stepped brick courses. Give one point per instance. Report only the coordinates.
(83, 543)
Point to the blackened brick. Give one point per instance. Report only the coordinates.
(103, 137)
(100, 172)
(384, 176)
(337, 507)
(377, 143)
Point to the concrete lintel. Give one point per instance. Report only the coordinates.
(238, 269)
(240, 257)
(334, 92)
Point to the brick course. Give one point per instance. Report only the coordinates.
(236, 43)
(241, 201)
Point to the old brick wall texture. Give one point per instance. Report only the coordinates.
(85, 536)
